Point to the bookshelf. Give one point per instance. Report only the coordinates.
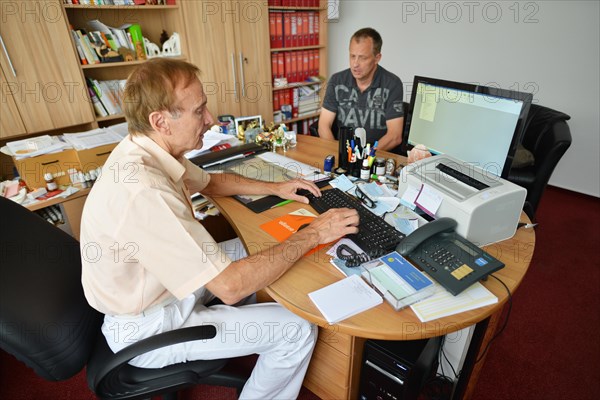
(296, 56)
(152, 19)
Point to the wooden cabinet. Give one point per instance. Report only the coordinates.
(153, 20)
(229, 42)
(42, 86)
(10, 122)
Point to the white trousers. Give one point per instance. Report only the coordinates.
(283, 341)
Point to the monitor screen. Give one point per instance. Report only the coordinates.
(476, 124)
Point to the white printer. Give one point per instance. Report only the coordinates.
(486, 207)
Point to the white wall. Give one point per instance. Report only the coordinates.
(549, 48)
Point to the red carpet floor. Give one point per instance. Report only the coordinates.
(549, 349)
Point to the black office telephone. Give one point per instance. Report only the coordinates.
(453, 261)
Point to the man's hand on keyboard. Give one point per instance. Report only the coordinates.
(334, 224)
(296, 189)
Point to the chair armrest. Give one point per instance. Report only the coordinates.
(152, 343)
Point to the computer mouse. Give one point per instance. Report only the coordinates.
(303, 192)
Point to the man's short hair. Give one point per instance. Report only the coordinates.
(369, 33)
(151, 87)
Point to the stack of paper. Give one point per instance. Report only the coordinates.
(345, 298)
(90, 139)
(443, 303)
(212, 139)
(296, 168)
(35, 146)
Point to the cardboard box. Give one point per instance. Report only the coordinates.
(32, 169)
(90, 159)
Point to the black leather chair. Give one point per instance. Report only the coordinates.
(46, 322)
(313, 129)
(547, 136)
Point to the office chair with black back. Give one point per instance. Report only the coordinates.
(313, 129)
(46, 322)
(545, 140)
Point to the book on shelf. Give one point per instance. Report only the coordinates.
(102, 47)
(109, 94)
(90, 53)
(98, 107)
(293, 28)
(121, 36)
(82, 58)
(309, 112)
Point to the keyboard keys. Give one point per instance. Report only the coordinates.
(375, 236)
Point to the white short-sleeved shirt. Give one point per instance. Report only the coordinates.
(140, 243)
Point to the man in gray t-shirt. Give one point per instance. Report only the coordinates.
(365, 95)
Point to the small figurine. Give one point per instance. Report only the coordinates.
(128, 54)
(172, 47)
(163, 38)
(279, 139)
(152, 50)
(241, 133)
(107, 54)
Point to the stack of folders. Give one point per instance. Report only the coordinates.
(400, 283)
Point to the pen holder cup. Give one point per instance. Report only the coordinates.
(345, 135)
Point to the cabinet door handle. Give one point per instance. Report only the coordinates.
(12, 68)
(234, 76)
(242, 74)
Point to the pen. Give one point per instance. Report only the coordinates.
(283, 203)
(374, 148)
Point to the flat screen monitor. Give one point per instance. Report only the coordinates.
(479, 125)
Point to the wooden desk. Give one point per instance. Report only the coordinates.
(335, 366)
(72, 207)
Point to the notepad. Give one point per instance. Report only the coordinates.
(442, 303)
(345, 298)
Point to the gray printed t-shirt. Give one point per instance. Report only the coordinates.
(371, 109)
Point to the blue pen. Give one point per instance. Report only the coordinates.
(352, 144)
(374, 148)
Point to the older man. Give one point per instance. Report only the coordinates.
(150, 267)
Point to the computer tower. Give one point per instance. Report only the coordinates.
(395, 370)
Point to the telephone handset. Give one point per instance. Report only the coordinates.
(453, 261)
(439, 225)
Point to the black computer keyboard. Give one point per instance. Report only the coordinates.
(375, 236)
